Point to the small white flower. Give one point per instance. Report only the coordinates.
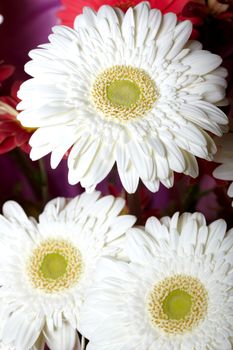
(125, 88)
(225, 156)
(1, 19)
(46, 266)
(175, 294)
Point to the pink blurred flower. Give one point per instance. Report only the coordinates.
(6, 71)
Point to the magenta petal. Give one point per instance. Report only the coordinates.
(6, 71)
(7, 145)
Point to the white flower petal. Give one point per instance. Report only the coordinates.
(100, 167)
(182, 33)
(152, 186)
(119, 226)
(12, 210)
(129, 178)
(209, 62)
(128, 26)
(224, 172)
(64, 337)
(23, 333)
(154, 21)
(230, 190)
(141, 160)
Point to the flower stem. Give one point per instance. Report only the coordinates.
(35, 173)
(43, 181)
(134, 205)
(29, 171)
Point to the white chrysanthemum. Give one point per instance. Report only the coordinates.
(47, 266)
(225, 156)
(125, 88)
(175, 294)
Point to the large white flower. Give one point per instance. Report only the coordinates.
(175, 294)
(46, 266)
(225, 156)
(125, 88)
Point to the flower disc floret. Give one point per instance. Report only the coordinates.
(55, 265)
(177, 304)
(123, 93)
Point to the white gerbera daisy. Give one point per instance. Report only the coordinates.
(125, 88)
(45, 267)
(225, 156)
(175, 294)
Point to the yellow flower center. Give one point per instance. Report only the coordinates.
(123, 93)
(55, 265)
(177, 304)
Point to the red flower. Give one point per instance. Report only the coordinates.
(74, 7)
(6, 71)
(12, 134)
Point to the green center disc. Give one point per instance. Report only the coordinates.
(53, 266)
(123, 93)
(177, 304)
